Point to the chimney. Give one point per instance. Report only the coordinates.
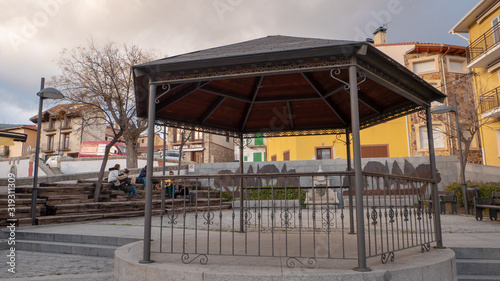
(380, 35)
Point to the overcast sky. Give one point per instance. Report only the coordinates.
(33, 32)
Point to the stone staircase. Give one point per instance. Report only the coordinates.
(477, 263)
(59, 203)
(86, 245)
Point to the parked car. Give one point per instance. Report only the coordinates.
(96, 149)
(170, 154)
(54, 161)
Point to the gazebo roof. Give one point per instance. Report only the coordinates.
(279, 84)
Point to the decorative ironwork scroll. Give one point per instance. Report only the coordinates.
(311, 262)
(425, 247)
(203, 259)
(386, 257)
(165, 87)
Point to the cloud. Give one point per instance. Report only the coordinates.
(33, 32)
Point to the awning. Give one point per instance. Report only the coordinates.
(193, 149)
(7, 139)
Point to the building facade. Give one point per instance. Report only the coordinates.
(254, 150)
(482, 23)
(64, 127)
(202, 147)
(20, 149)
(441, 65)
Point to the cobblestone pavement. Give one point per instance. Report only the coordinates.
(48, 266)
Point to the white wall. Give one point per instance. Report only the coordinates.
(70, 166)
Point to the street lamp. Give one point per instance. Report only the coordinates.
(440, 109)
(45, 93)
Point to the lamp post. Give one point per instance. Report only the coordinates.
(445, 109)
(45, 93)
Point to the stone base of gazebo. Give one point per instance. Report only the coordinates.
(411, 264)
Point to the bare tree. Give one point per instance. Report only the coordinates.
(101, 78)
(470, 120)
(185, 136)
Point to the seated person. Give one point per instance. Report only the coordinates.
(113, 173)
(183, 192)
(169, 184)
(142, 177)
(124, 183)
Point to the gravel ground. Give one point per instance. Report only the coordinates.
(48, 266)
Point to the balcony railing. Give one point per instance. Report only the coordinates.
(299, 216)
(484, 43)
(490, 100)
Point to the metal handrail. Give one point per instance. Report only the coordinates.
(483, 43)
(490, 100)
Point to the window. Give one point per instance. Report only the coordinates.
(323, 153)
(457, 65)
(51, 123)
(374, 150)
(50, 143)
(257, 157)
(259, 141)
(286, 155)
(498, 142)
(438, 135)
(66, 122)
(197, 135)
(424, 66)
(496, 28)
(245, 158)
(273, 157)
(66, 141)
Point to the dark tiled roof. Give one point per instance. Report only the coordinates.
(265, 45)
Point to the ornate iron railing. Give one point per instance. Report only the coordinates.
(399, 214)
(483, 43)
(301, 216)
(490, 100)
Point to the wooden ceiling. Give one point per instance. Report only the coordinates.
(257, 92)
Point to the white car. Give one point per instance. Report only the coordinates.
(54, 161)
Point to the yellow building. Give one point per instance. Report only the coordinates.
(20, 149)
(439, 65)
(482, 23)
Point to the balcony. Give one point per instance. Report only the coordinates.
(490, 103)
(485, 50)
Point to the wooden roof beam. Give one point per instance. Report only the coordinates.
(250, 106)
(193, 87)
(330, 105)
(212, 108)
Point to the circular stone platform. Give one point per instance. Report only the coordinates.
(411, 264)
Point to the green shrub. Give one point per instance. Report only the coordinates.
(485, 189)
(277, 194)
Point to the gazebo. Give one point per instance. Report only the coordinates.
(289, 86)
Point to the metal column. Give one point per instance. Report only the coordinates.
(358, 176)
(241, 186)
(435, 197)
(351, 201)
(149, 174)
(34, 190)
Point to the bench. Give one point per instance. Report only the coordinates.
(492, 203)
(445, 197)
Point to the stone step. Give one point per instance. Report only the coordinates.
(66, 248)
(69, 238)
(21, 212)
(478, 267)
(478, 277)
(20, 202)
(50, 191)
(476, 253)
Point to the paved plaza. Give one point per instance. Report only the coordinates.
(458, 231)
